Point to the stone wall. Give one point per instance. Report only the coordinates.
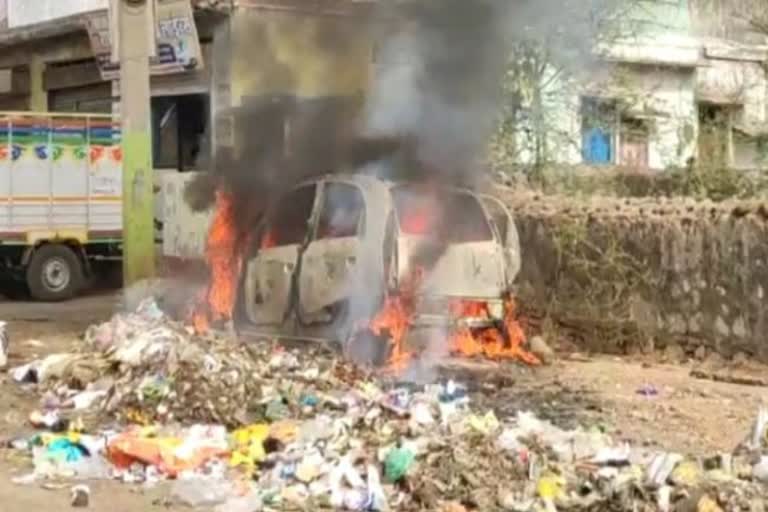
(619, 274)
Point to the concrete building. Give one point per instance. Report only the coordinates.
(214, 56)
(277, 59)
(56, 53)
(671, 87)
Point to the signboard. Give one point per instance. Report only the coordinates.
(25, 12)
(178, 44)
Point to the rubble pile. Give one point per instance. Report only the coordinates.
(246, 428)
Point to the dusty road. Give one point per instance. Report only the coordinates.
(686, 415)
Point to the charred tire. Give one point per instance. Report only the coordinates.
(55, 273)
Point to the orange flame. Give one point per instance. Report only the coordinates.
(396, 318)
(490, 342)
(224, 254)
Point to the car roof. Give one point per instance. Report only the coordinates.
(369, 180)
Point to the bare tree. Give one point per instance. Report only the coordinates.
(554, 52)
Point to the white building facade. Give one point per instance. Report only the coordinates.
(665, 96)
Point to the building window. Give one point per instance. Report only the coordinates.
(179, 126)
(714, 135)
(633, 143)
(598, 130)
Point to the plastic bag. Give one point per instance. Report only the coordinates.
(397, 463)
(759, 429)
(202, 492)
(171, 455)
(4, 343)
(250, 503)
(661, 467)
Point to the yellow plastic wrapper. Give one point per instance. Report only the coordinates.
(249, 445)
(686, 473)
(247, 435)
(484, 424)
(247, 457)
(137, 417)
(551, 487)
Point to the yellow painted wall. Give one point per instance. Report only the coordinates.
(309, 56)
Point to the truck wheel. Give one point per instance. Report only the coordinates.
(55, 273)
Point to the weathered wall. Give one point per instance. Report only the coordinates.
(618, 274)
(663, 98)
(184, 231)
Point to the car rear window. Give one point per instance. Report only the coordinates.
(424, 211)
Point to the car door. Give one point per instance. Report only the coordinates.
(329, 262)
(504, 223)
(270, 274)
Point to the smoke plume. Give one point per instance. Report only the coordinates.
(433, 102)
(438, 83)
(428, 115)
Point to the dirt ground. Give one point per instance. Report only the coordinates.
(686, 415)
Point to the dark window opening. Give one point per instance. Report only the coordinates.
(598, 126)
(343, 212)
(179, 126)
(714, 135)
(290, 221)
(456, 216)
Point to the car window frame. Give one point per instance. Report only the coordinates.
(311, 220)
(320, 200)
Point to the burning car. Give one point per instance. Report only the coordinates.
(355, 258)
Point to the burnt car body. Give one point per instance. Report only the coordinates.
(330, 250)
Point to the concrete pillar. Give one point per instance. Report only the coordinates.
(38, 96)
(134, 21)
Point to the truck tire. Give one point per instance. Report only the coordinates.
(55, 273)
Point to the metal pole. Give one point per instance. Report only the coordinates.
(134, 37)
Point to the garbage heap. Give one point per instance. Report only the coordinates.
(145, 368)
(243, 429)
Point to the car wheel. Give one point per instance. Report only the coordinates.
(55, 273)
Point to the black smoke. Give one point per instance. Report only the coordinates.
(428, 114)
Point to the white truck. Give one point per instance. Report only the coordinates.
(60, 199)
